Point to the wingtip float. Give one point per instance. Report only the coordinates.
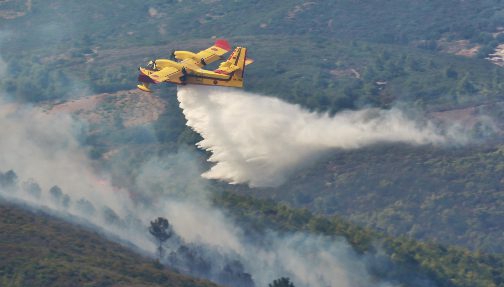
(187, 68)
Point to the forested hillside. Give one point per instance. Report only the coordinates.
(40, 250)
(427, 57)
(452, 195)
(401, 260)
(324, 55)
(61, 253)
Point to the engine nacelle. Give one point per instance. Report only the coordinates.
(182, 55)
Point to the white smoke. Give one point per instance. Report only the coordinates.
(307, 259)
(3, 64)
(44, 148)
(260, 140)
(3, 68)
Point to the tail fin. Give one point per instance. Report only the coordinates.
(241, 63)
(235, 66)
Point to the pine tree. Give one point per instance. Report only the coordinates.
(281, 282)
(161, 230)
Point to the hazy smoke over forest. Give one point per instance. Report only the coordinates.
(253, 139)
(261, 140)
(44, 166)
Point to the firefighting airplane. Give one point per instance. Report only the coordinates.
(187, 68)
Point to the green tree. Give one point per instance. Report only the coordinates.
(451, 73)
(56, 193)
(59, 197)
(8, 179)
(161, 230)
(281, 282)
(32, 188)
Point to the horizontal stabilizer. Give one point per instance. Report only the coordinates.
(237, 61)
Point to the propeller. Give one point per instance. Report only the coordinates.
(172, 55)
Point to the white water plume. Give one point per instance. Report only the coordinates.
(260, 140)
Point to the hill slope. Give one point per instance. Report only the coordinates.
(451, 195)
(324, 55)
(40, 250)
(401, 260)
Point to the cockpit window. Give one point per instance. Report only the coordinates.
(151, 65)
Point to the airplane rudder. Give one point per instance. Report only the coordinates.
(243, 58)
(240, 73)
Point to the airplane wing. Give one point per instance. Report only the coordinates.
(211, 74)
(213, 53)
(163, 74)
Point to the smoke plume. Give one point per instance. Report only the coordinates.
(260, 140)
(3, 68)
(43, 165)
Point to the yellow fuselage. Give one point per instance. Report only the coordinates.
(189, 71)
